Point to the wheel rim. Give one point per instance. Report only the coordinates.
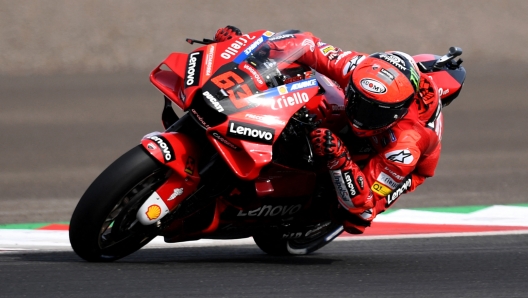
(121, 222)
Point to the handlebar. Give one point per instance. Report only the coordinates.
(452, 54)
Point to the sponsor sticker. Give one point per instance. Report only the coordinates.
(380, 189)
(386, 76)
(242, 56)
(351, 65)
(209, 59)
(310, 43)
(327, 50)
(254, 45)
(189, 165)
(342, 192)
(394, 60)
(267, 119)
(165, 147)
(303, 85)
(349, 182)
(251, 132)
(270, 210)
(406, 185)
(442, 92)
(223, 140)
(194, 65)
(401, 156)
(399, 177)
(342, 55)
(235, 47)
(293, 99)
(200, 118)
(282, 90)
(281, 37)
(361, 182)
(177, 192)
(213, 101)
(153, 212)
(387, 180)
(373, 86)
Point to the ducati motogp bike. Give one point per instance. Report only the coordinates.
(237, 164)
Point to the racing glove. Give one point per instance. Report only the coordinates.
(227, 33)
(426, 89)
(352, 190)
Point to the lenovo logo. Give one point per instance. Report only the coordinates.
(251, 132)
(194, 65)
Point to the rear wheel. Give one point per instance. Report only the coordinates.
(274, 244)
(103, 226)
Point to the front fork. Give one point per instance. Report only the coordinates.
(181, 154)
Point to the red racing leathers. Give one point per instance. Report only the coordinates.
(403, 155)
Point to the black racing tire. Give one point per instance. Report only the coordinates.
(273, 243)
(103, 227)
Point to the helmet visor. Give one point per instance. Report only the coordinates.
(367, 114)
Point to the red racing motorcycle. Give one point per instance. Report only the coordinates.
(237, 164)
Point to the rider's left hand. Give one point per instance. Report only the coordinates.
(227, 33)
(326, 144)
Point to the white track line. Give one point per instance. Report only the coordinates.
(35, 240)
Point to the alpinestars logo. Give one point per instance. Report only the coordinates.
(251, 132)
(194, 66)
(401, 156)
(351, 65)
(166, 149)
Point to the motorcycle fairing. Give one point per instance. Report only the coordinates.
(170, 81)
(272, 108)
(178, 152)
(187, 73)
(449, 80)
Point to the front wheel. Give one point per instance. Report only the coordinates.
(103, 226)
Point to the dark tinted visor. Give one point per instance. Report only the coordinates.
(366, 114)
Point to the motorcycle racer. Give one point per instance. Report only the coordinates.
(389, 103)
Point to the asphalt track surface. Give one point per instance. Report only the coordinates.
(436, 267)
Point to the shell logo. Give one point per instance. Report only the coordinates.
(153, 212)
(282, 90)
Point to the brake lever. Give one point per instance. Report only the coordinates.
(452, 54)
(205, 41)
